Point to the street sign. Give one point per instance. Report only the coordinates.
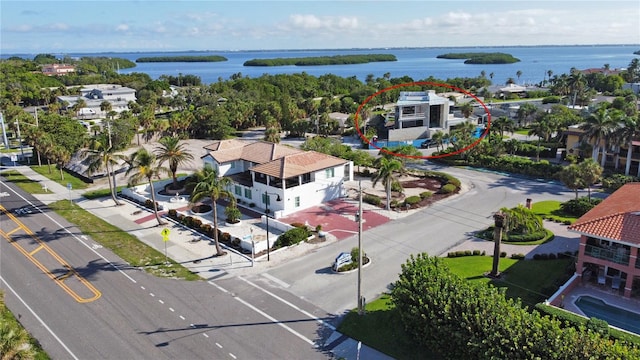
(69, 186)
(165, 232)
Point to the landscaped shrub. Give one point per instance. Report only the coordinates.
(503, 254)
(466, 320)
(187, 221)
(426, 194)
(551, 100)
(297, 224)
(517, 256)
(579, 207)
(448, 189)
(615, 181)
(372, 199)
(226, 237)
(412, 200)
(476, 252)
(535, 236)
(552, 256)
(292, 237)
(172, 213)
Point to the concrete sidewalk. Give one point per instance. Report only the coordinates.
(192, 250)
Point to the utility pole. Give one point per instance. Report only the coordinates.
(37, 152)
(20, 139)
(360, 298)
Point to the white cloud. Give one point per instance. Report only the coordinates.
(332, 23)
(122, 27)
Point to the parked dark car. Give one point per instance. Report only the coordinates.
(427, 144)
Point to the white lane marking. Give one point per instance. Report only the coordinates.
(171, 309)
(152, 294)
(142, 287)
(233, 356)
(276, 321)
(39, 319)
(218, 345)
(205, 335)
(160, 301)
(182, 317)
(276, 280)
(288, 303)
(74, 236)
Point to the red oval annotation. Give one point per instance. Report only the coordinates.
(422, 83)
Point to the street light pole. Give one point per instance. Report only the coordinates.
(20, 140)
(360, 302)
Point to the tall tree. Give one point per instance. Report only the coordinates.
(597, 127)
(171, 151)
(387, 170)
(571, 177)
(543, 131)
(101, 157)
(209, 185)
(143, 166)
(590, 173)
(628, 130)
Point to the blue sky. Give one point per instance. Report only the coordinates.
(117, 25)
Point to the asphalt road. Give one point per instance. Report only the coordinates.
(82, 302)
(433, 230)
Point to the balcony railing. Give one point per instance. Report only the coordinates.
(607, 254)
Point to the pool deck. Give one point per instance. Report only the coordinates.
(605, 294)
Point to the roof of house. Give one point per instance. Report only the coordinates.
(616, 218)
(298, 164)
(259, 152)
(273, 159)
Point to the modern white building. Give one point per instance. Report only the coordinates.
(93, 95)
(263, 172)
(419, 114)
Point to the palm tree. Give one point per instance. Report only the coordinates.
(387, 168)
(625, 133)
(171, 151)
(503, 124)
(542, 130)
(518, 74)
(590, 173)
(216, 188)
(571, 178)
(101, 157)
(60, 156)
(142, 166)
(597, 127)
(105, 106)
(437, 139)
(466, 109)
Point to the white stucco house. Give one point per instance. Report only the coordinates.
(419, 114)
(263, 172)
(93, 95)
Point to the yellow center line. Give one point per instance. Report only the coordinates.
(36, 250)
(57, 279)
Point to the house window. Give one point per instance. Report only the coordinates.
(306, 178)
(266, 200)
(329, 173)
(296, 201)
(232, 165)
(247, 193)
(238, 190)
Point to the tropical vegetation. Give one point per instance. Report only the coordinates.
(322, 60)
(203, 58)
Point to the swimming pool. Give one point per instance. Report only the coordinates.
(615, 316)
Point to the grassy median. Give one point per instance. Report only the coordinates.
(123, 244)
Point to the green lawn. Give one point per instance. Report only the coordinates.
(76, 183)
(522, 132)
(550, 209)
(26, 184)
(531, 281)
(123, 244)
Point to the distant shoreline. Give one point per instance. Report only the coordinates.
(7, 53)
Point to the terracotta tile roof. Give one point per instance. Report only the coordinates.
(258, 152)
(298, 164)
(616, 217)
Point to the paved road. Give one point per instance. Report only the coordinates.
(103, 310)
(433, 230)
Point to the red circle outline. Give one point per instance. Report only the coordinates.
(386, 151)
